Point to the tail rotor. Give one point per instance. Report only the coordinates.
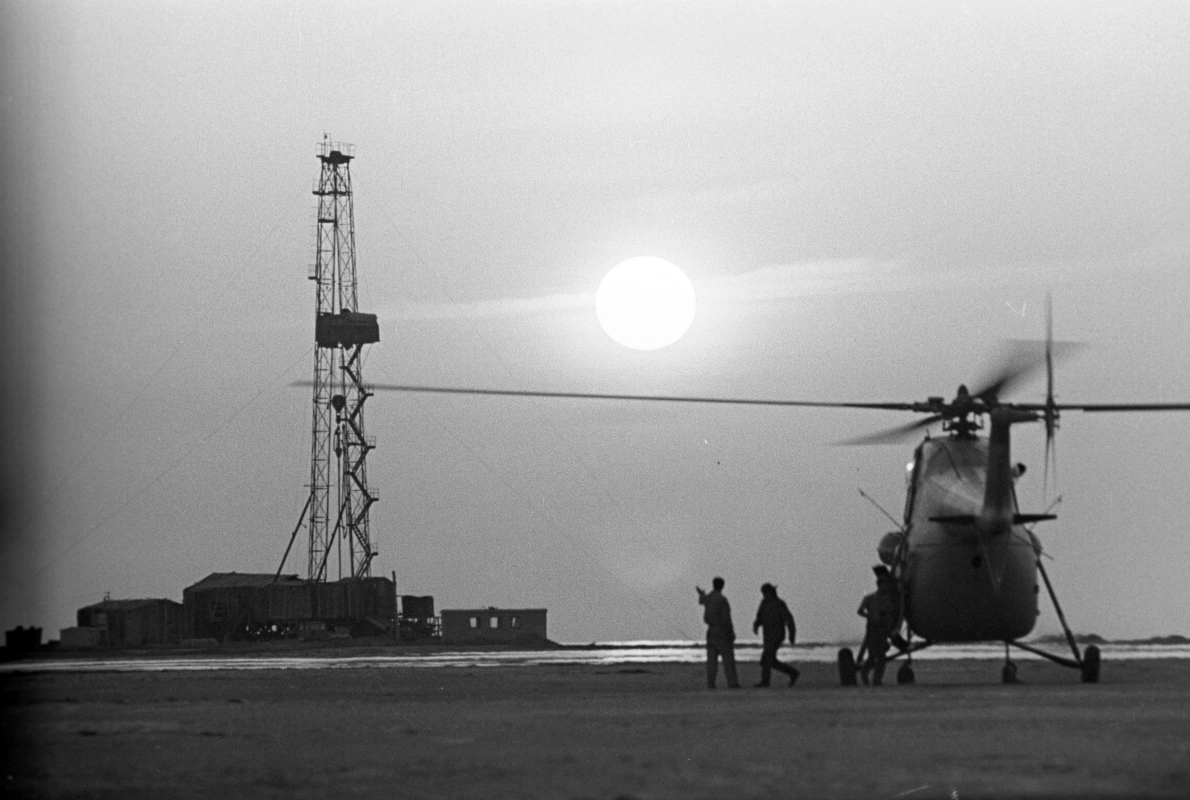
(1050, 413)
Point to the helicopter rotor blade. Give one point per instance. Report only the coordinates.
(1093, 407)
(1097, 407)
(893, 435)
(1019, 359)
(391, 387)
(1051, 409)
(1051, 465)
(1049, 349)
(920, 407)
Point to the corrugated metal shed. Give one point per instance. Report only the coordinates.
(134, 622)
(227, 580)
(80, 637)
(229, 605)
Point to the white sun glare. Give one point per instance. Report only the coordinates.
(645, 303)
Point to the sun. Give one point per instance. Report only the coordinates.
(645, 303)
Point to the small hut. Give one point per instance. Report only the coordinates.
(521, 626)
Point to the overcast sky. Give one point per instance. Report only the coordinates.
(867, 198)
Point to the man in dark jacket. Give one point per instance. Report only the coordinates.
(882, 609)
(720, 634)
(774, 617)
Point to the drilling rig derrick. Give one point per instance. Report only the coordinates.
(336, 511)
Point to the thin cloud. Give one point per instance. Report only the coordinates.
(501, 307)
(773, 282)
(786, 281)
(791, 281)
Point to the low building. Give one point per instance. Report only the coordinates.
(494, 626)
(81, 638)
(236, 605)
(129, 623)
(22, 640)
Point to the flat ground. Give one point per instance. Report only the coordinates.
(598, 732)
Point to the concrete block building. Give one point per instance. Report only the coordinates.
(521, 626)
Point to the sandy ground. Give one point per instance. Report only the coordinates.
(598, 732)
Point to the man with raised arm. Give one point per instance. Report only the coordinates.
(720, 634)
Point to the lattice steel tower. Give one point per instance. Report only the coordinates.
(338, 520)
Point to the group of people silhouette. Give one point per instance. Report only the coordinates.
(881, 609)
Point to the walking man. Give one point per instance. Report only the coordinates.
(774, 617)
(720, 634)
(882, 609)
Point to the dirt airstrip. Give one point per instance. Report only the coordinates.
(626, 731)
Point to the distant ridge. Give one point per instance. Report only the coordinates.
(1094, 638)
(1173, 638)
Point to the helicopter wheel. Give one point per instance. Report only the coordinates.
(846, 667)
(1008, 674)
(905, 674)
(1090, 666)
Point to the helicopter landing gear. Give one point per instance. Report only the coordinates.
(905, 674)
(1090, 665)
(847, 667)
(1008, 674)
(1087, 662)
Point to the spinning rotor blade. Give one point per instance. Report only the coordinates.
(391, 387)
(1051, 409)
(887, 437)
(1093, 407)
(1051, 456)
(1022, 357)
(1125, 407)
(894, 435)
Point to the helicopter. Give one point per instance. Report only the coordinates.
(965, 558)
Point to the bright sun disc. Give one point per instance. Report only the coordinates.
(645, 303)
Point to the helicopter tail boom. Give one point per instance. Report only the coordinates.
(999, 502)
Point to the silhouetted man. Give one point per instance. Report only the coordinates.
(720, 634)
(882, 609)
(774, 617)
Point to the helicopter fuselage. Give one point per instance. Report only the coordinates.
(971, 576)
